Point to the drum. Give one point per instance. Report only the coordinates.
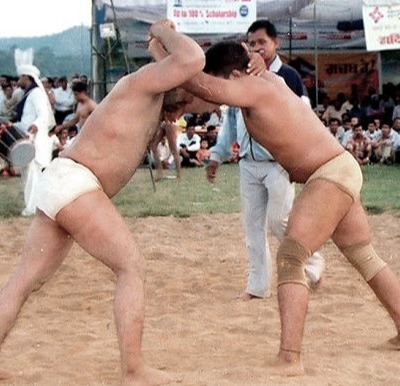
(14, 148)
(22, 153)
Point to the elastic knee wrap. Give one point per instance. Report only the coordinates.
(291, 259)
(364, 259)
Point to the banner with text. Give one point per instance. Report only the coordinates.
(212, 16)
(342, 72)
(382, 27)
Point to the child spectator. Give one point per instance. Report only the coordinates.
(203, 154)
(165, 153)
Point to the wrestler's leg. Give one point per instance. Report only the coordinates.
(315, 214)
(354, 229)
(281, 194)
(170, 134)
(47, 244)
(96, 226)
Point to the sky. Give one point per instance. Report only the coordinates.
(31, 18)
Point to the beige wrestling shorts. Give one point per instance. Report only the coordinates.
(62, 182)
(343, 171)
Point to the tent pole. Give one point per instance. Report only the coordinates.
(290, 38)
(316, 54)
(128, 69)
(98, 91)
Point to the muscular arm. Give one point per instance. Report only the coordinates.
(222, 91)
(68, 124)
(184, 58)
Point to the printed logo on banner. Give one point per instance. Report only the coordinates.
(244, 10)
(376, 15)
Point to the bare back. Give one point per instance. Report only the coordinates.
(276, 118)
(115, 136)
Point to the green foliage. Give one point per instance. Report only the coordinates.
(12, 199)
(55, 55)
(194, 194)
(381, 190)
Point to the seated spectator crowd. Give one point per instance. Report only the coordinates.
(370, 133)
(369, 129)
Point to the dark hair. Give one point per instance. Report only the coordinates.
(224, 57)
(79, 87)
(192, 122)
(264, 24)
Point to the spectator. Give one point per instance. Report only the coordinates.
(48, 87)
(383, 145)
(6, 114)
(396, 110)
(215, 118)
(375, 110)
(349, 130)
(164, 151)
(396, 145)
(54, 143)
(322, 106)
(336, 130)
(64, 100)
(335, 110)
(167, 129)
(387, 105)
(188, 145)
(359, 111)
(72, 133)
(346, 128)
(35, 118)
(211, 136)
(396, 125)
(234, 154)
(203, 154)
(372, 131)
(346, 105)
(16, 97)
(85, 106)
(360, 146)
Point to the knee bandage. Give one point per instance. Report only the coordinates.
(364, 259)
(291, 259)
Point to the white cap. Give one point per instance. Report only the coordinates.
(28, 69)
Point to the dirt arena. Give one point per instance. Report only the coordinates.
(195, 328)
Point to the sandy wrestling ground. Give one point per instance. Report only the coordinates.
(195, 327)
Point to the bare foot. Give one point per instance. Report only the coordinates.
(148, 377)
(288, 364)
(245, 297)
(391, 344)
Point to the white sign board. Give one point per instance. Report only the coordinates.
(382, 27)
(212, 16)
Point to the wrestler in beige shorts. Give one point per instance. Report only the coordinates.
(75, 199)
(327, 207)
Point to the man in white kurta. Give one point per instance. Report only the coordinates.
(34, 119)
